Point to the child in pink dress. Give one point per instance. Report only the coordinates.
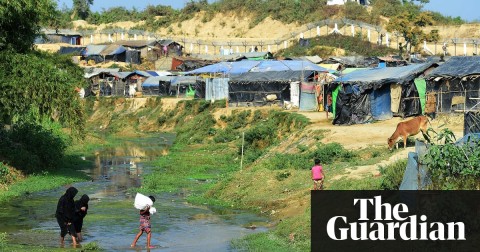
(317, 175)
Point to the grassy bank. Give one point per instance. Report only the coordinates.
(67, 172)
(206, 166)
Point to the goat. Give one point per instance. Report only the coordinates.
(408, 128)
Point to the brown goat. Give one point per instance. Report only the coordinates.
(408, 128)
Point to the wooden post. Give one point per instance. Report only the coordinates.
(243, 142)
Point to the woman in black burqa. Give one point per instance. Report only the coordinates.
(81, 208)
(65, 213)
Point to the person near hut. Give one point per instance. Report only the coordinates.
(65, 213)
(165, 50)
(317, 175)
(81, 208)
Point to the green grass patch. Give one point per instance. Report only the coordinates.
(41, 182)
(368, 183)
(192, 167)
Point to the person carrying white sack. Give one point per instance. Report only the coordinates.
(145, 205)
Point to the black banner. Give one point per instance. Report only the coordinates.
(395, 221)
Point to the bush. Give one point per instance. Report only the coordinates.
(327, 153)
(32, 147)
(392, 175)
(452, 166)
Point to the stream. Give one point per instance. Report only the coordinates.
(112, 221)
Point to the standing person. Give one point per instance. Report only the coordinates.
(64, 214)
(165, 50)
(145, 225)
(81, 208)
(317, 175)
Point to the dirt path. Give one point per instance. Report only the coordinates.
(373, 134)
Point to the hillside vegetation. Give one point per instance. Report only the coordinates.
(325, 46)
(301, 11)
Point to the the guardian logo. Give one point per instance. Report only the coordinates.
(390, 223)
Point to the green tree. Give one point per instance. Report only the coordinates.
(81, 8)
(409, 25)
(33, 80)
(43, 82)
(21, 21)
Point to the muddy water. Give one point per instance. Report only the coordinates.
(112, 221)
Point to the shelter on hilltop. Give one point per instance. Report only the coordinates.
(59, 36)
(454, 85)
(379, 93)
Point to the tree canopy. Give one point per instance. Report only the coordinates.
(21, 21)
(82, 8)
(29, 80)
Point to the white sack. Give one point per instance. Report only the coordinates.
(141, 201)
(152, 210)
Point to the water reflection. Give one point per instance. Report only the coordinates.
(122, 167)
(113, 221)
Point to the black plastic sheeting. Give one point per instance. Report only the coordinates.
(200, 89)
(189, 65)
(458, 66)
(471, 122)
(71, 50)
(255, 86)
(132, 56)
(303, 42)
(410, 101)
(445, 89)
(353, 61)
(352, 107)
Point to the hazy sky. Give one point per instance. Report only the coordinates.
(467, 9)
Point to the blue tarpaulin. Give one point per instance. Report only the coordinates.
(240, 67)
(233, 68)
(381, 103)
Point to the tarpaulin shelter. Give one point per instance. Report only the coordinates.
(138, 48)
(183, 85)
(240, 67)
(376, 94)
(454, 85)
(59, 36)
(255, 86)
(114, 52)
(226, 68)
(157, 85)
